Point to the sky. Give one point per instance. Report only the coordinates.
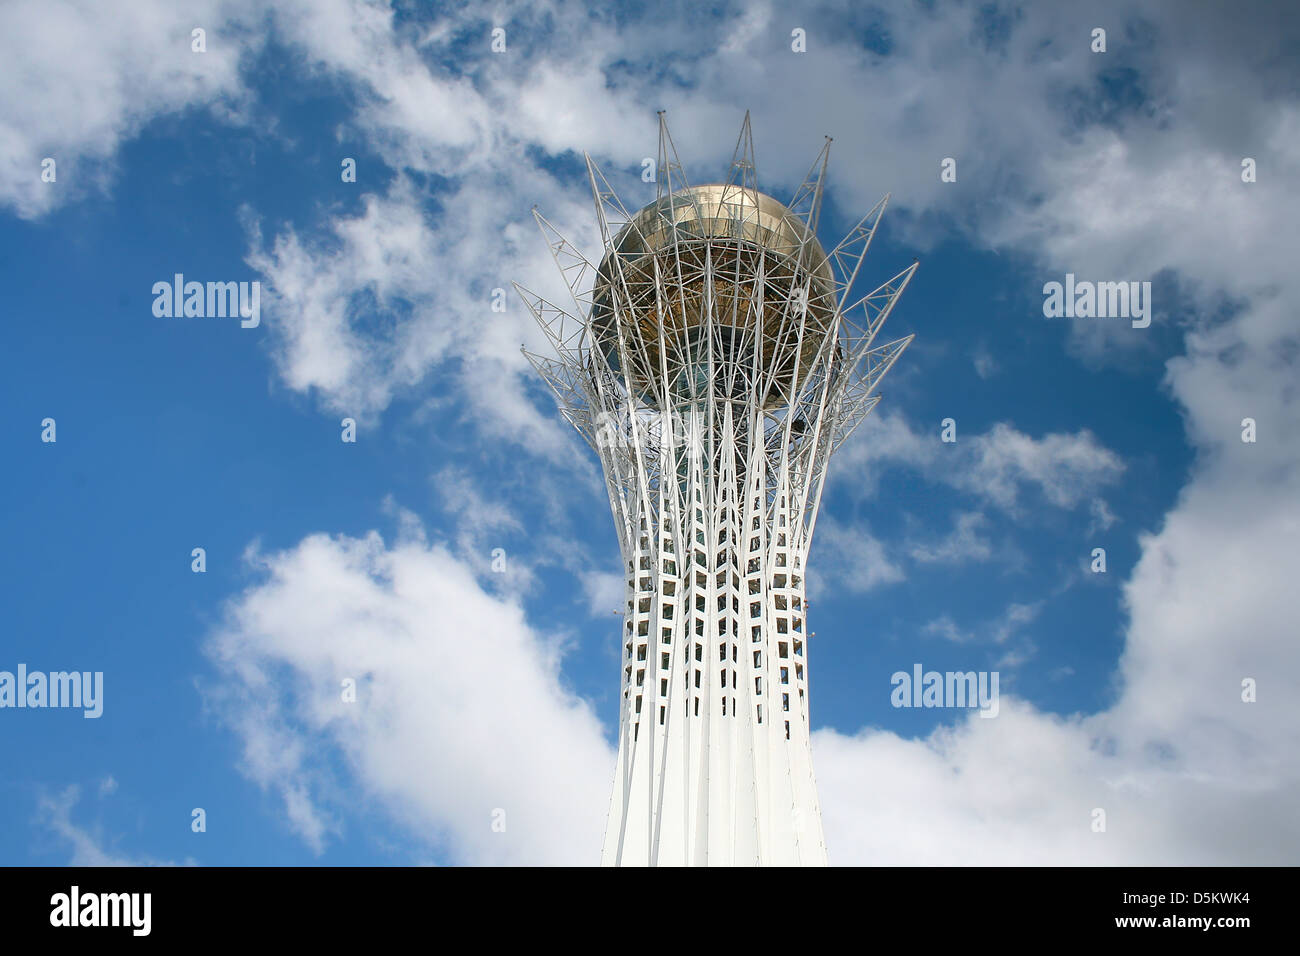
(403, 649)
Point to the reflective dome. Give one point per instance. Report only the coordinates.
(729, 262)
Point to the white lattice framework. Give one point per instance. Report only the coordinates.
(714, 362)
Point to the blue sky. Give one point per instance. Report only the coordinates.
(372, 561)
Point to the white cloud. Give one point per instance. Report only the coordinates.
(962, 543)
(81, 78)
(460, 706)
(605, 592)
(996, 467)
(848, 559)
(55, 812)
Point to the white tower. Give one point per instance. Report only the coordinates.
(714, 363)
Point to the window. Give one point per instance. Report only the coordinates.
(640, 676)
(663, 661)
(758, 686)
(785, 675)
(668, 612)
(758, 658)
(781, 625)
(798, 648)
(668, 635)
(699, 652)
(663, 687)
(755, 609)
(785, 701)
(722, 651)
(787, 730)
(697, 677)
(782, 649)
(724, 707)
(760, 713)
(798, 671)
(661, 716)
(697, 707)
(723, 675)
(638, 703)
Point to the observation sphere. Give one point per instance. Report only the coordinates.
(732, 264)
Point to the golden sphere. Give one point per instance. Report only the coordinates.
(710, 298)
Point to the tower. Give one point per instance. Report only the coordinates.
(714, 361)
